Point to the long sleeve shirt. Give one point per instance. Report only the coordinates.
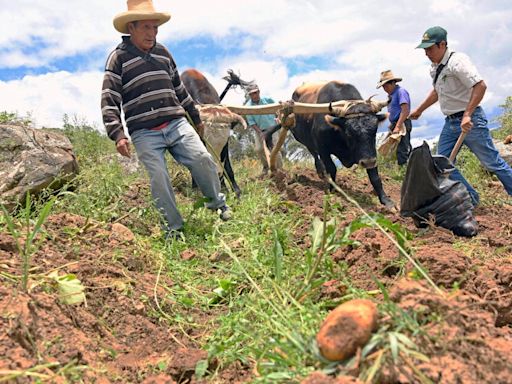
(264, 122)
(148, 88)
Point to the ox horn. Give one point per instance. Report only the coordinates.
(376, 105)
(342, 110)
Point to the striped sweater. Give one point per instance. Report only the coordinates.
(148, 88)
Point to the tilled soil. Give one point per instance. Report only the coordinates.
(471, 339)
(121, 335)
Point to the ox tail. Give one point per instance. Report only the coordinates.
(224, 91)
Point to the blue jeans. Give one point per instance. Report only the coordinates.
(479, 141)
(184, 144)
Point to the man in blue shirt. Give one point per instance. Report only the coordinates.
(398, 108)
(261, 123)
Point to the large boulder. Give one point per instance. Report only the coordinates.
(31, 160)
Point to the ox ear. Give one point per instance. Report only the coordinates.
(335, 122)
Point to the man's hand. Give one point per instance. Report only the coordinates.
(123, 147)
(415, 115)
(398, 128)
(466, 124)
(200, 130)
(258, 130)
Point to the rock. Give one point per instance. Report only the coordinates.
(188, 254)
(218, 256)
(121, 234)
(505, 151)
(31, 160)
(130, 164)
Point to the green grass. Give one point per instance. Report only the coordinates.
(262, 299)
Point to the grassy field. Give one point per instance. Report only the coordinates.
(250, 293)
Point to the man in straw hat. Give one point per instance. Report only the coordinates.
(142, 78)
(260, 124)
(459, 88)
(398, 108)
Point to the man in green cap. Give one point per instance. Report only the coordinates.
(459, 88)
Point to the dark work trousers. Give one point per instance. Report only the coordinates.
(404, 147)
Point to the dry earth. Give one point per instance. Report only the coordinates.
(120, 336)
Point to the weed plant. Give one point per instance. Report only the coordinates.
(262, 296)
(505, 120)
(25, 234)
(251, 291)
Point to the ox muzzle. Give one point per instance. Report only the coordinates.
(368, 163)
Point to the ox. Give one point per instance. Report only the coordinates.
(218, 121)
(350, 136)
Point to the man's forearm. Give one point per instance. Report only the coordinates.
(477, 94)
(430, 100)
(257, 129)
(403, 115)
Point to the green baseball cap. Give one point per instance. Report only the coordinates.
(431, 36)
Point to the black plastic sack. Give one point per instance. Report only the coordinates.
(427, 191)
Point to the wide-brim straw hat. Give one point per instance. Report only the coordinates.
(386, 76)
(139, 10)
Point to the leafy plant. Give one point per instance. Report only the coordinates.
(71, 290)
(14, 118)
(323, 242)
(26, 246)
(505, 119)
(224, 289)
(278, 252)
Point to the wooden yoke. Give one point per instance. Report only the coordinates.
(286, 114)
(274, 108)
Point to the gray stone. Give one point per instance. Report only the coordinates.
(31, 160)
(505, 151)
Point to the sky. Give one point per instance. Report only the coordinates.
(53, 52)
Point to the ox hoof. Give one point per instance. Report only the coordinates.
(224, 213)
(388, 203)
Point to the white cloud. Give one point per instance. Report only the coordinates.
(48, 97)
(357, 40)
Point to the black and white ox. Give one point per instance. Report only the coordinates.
(218, 121)
(348, 132)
